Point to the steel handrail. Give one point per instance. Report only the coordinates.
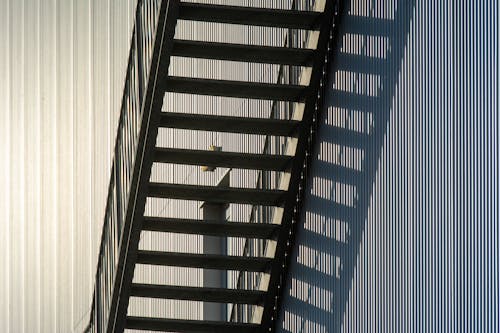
(129, 125)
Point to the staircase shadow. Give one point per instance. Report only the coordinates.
(367, 63)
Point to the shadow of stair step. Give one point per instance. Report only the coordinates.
(367, 26)
(361, 64)
(345, 137)
(353, 101)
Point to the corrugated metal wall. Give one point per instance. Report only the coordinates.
(400, 228)
(409, 242)
(62, 66)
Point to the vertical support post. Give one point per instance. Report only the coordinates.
(139, 49)
(215, 245)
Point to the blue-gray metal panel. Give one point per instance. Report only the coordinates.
(421, 248)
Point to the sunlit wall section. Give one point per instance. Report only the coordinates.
(399, 230)
(62, 66)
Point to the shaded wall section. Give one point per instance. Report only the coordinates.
(400, 220)
(62, 67)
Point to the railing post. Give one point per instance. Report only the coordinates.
(138, 49)
(116, 175)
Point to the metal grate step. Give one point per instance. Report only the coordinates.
(243, 53)
(213, 194)
(184, 326)
(211, 228)
(290, 19)
(201, 122)
(205, 261)
(200, 294)
(237, 89)
(222, 159)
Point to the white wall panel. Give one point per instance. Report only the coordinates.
(62, 66)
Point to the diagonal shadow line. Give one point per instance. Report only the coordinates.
(396, 31)
(398, 35)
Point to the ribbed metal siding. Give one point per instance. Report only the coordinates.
(62, 66)
(428, 256)
(411, 242)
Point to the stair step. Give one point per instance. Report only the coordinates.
(229, 124)
(211, 228)
(200, 294)
(205, 261)
(222, 159)
(238, 89)
(214, 194)
(179, 325)
(279, 18)
(243, 53)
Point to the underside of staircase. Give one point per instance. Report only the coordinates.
(136, 151)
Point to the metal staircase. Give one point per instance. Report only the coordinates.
(153, 44)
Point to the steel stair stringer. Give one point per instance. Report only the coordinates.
(131, 185)
(153, 101)
(295, 181)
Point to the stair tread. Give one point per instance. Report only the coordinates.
(222, 159)
(180, 325)
(201, 294)
(229, 124)
(205, 261)
(279, 18)
(243, 52)
(212, 228)
(237, 89)
(214, 194)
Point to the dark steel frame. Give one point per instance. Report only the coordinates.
(293, 203)
(147, 70)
